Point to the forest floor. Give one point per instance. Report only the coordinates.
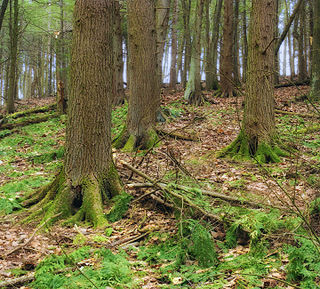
(154, 245)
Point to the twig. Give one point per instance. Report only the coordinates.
(32, 236)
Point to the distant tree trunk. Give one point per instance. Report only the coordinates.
(119, 95)
(236, 67)
(162, 18)
(284, 60)
(4, 6)
(244, 41)
(315, 84)
(276, 32)
(174, 44)
(186, 9)
(61, 65)
(89, 176)
(193, 90)
(257, 136)
(226, 69)
(12, 92)
(211, 59)
(144, 98)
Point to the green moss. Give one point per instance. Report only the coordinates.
(130, 144)
(240, 149)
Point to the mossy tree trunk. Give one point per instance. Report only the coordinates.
(315, 85)
(193, 92)
(257, 136)
(89, 175)
(144, 95)
(226, 70)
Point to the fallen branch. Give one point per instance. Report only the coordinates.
(28, 278)
(293, 83)
(26, 122)
(163, 188)
(307, 115)
(205, 192)
(33, 111)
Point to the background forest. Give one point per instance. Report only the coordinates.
(159, 144)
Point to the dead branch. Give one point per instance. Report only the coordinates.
(184, 199)
(26, 122)
(33, 111)
(32, 236)
(305, 115)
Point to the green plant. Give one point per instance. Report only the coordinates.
(121, 205)
(304, 262)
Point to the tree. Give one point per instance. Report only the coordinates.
(88, 176)
(257, 137)
(193, 90)
(211, 60)
(119, 94)
(4, 6)
(174, 44)
(315, 84)
(14, 31)
(144, 95)
(226, 70)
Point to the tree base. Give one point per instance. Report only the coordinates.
(129, 142)
(242, 149)
(225, 93)
(60, 200)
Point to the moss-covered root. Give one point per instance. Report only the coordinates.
(130, 143)
(75, 204)
(241, 149)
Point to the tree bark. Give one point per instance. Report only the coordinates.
(315, 85)
(186, 8)
(193, 90)
(226, 70)
(89, 175)
(174, 44)
(3, 11)
(144, 96)
(119, 95)
(162, 19)
(236, 67)
(257, 136)
(244, 41)
(12, 91)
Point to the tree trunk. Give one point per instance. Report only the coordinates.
(119, 95)
(3, 11)
(276, 32)
(89, 175)
(257, 135)
(144, 97)
(244, 41)
(315, 85)
(193, 90)
(186, 9)
(13, 57)
(174, 44)
(211, 59)
(302, 64)
(226, 70)
(236, 67)
(162, 19)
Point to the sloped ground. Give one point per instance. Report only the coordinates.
(29, 159)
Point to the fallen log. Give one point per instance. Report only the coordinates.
(176, 135)
(293, 83)
(305, 115)
(27, 112)
(26, 122)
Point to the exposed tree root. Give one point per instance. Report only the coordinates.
(129, 142)
(243, 149)
(225, 94)
(59, 200)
